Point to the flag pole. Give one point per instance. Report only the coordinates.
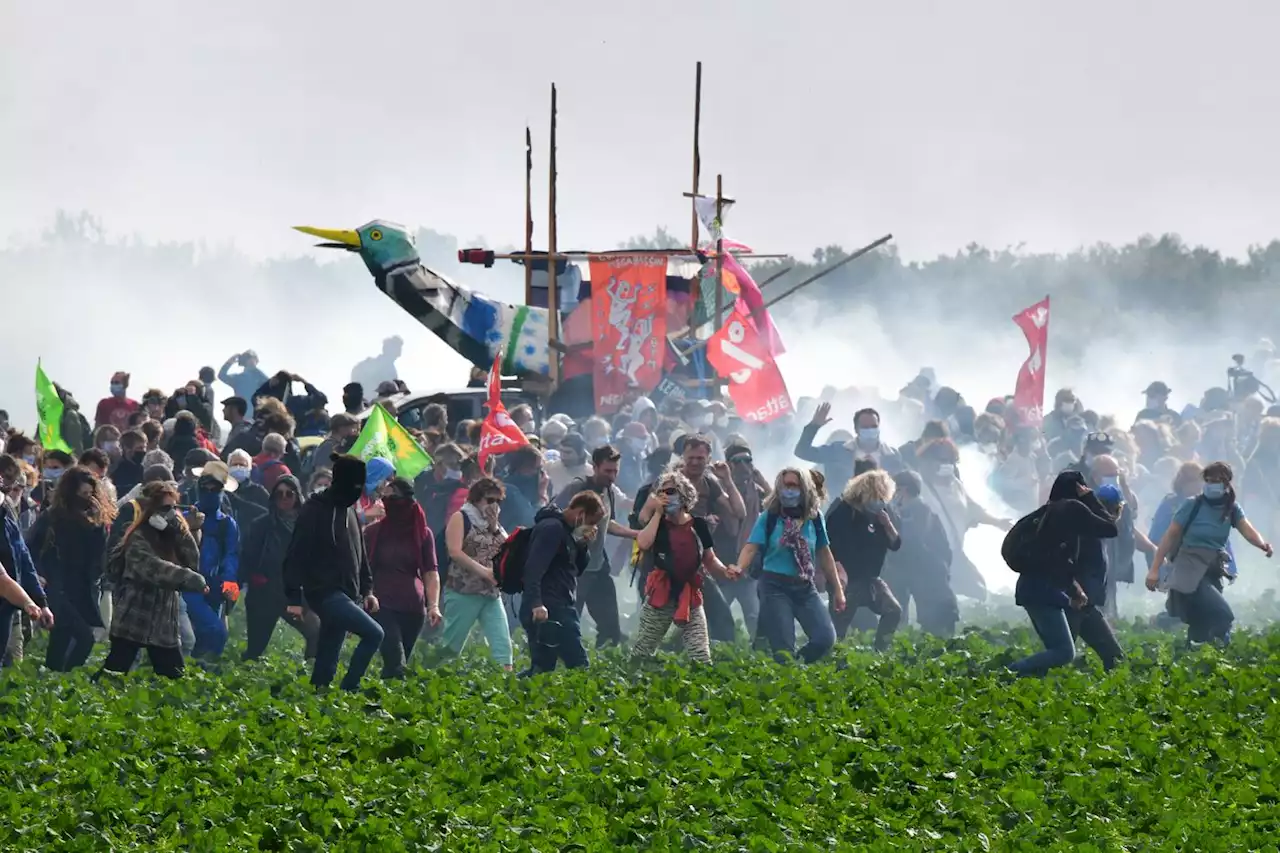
(528, 213)
(553, 296)
(697, 157)
(719, 250)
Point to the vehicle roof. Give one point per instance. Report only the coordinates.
(403, 400)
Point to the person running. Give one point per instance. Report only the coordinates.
(157, 559)
(219, 560)
(678, 548)
(791, 537)
(862, 533)
(68, 544)
(1195, 546)
(473, 536)
(328, 567)
(406, 580)
(262, 569)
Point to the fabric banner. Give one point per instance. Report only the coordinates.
(739, 354)
(1028, 394)
(628, 325)
(714, 226)
(498, 434)
(384, 436)
(751, 303)
(49, 409)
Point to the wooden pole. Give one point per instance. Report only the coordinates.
(553, 296)
(697, 157)
(528, 213)
(719, 251)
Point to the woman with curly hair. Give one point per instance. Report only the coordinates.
(862, 533)
(677, 547)
(791, 536)
(157, 559)
(68, 544)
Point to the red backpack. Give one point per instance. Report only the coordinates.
(508, 563)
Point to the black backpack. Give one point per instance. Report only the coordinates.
(508, 563)
(1023, 549)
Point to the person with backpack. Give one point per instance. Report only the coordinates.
(266, 543)
(68, 544)
(328, 566)
(596, 590)
(862, 532)
(555, 553)
(1195, 546)
(155, 563)
(406, 578)
(678, 547)
(1043, 548)
(474, 537)
(790, 536)
(219, 561)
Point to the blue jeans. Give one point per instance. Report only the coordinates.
(1207, 614)
(550, 642)
(1055, 632)
(340, 616)
(206, 621)
(783, 603)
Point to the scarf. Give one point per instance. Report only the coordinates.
(793, 538)
(405, 521)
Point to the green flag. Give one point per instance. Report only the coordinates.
(384, 436)
(49, 409)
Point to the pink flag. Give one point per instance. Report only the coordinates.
(751, 304)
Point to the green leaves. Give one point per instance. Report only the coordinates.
(920, 750)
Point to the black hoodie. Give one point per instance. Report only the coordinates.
(266, 544)
(554, 561)
(327, 553)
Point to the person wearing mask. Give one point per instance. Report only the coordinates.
(732, 534)
(837, 459)
(473, 537)
(402, 557)
(1157, 409)
(1051, 587)
(344, 429)
(247, 380)
(115, 409)
(1194, 545)
(861, 533)
(1117, 552)
(597, 592)
(189, 486)
(526, 483)
(1094, 563)
(56, 463)
(235, 411)
(572, 464)
(327, 565)
(250, 500)
(20, 586)
(645, 413)
(634, 447)
(68, 546)
(1065, 406)
(595, 432)
(319, 481)
(921, 568)
(184, 438)
(553, 433)
(790, 537)
(269, 466)
(107, 439)
(127, 474)
(1022, 469)
(678, 549)
(155, 563)
(522, 415)
(262, 566)
(129, 508)
(219, 561)
(938, 463)
(441, 492)
(556, 557)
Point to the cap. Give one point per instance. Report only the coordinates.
(387, 389)
(1110, 494)
(219, 471)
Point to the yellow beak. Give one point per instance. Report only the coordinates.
(338, 238)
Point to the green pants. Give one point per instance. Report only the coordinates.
(461, 611)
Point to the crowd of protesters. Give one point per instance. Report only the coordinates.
(146, 532)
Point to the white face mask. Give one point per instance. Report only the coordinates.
(721, 421)
(946, 470)
(159, 522)
(708, 419)
(1066, 408)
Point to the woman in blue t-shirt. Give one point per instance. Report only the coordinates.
(1195, 545)
(792, 537)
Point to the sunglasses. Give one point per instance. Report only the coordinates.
(741, 459)
(286, 493)
(670, 492)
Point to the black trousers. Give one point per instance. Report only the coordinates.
(598, 594)
(262, 610)
(70, 641)
(399, 632)
(873, 594)
(165, 661)
(1090, 625)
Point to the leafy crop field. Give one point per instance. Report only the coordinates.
(927, 748)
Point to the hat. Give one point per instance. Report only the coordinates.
(197, 457)
(1158, 389)
(387, 389)
(218, 470)
(157, 474)
(736, 450)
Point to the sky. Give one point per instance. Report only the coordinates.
(1002, 123)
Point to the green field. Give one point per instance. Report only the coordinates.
(927, 748)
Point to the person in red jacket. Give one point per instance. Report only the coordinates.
(268, 466)
(116, 409)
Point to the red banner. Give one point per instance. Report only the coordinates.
(498, 433)
(1028, 394)
(740, 354)
(628, 325)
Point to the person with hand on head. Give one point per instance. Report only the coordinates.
(473, 537)
(402, 556)
(678, 549)
(246, 381)
(556, 556)
(1194, 545)
(790, 538)
(262, 566)
(327, 565)
(155, 562)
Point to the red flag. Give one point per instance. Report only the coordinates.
(739, 353)
(628, 325)
(498, 433)
(1028, 394)
(750, 303)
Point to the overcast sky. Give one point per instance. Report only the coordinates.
(1051, 124)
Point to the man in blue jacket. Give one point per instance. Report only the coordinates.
(219, 561)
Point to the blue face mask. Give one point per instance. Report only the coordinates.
(790, 498)
(117, 390)
(870, 435)
(1215, 491)
(453, 474)
(673, 504)
(51, 475)
(209, 502)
